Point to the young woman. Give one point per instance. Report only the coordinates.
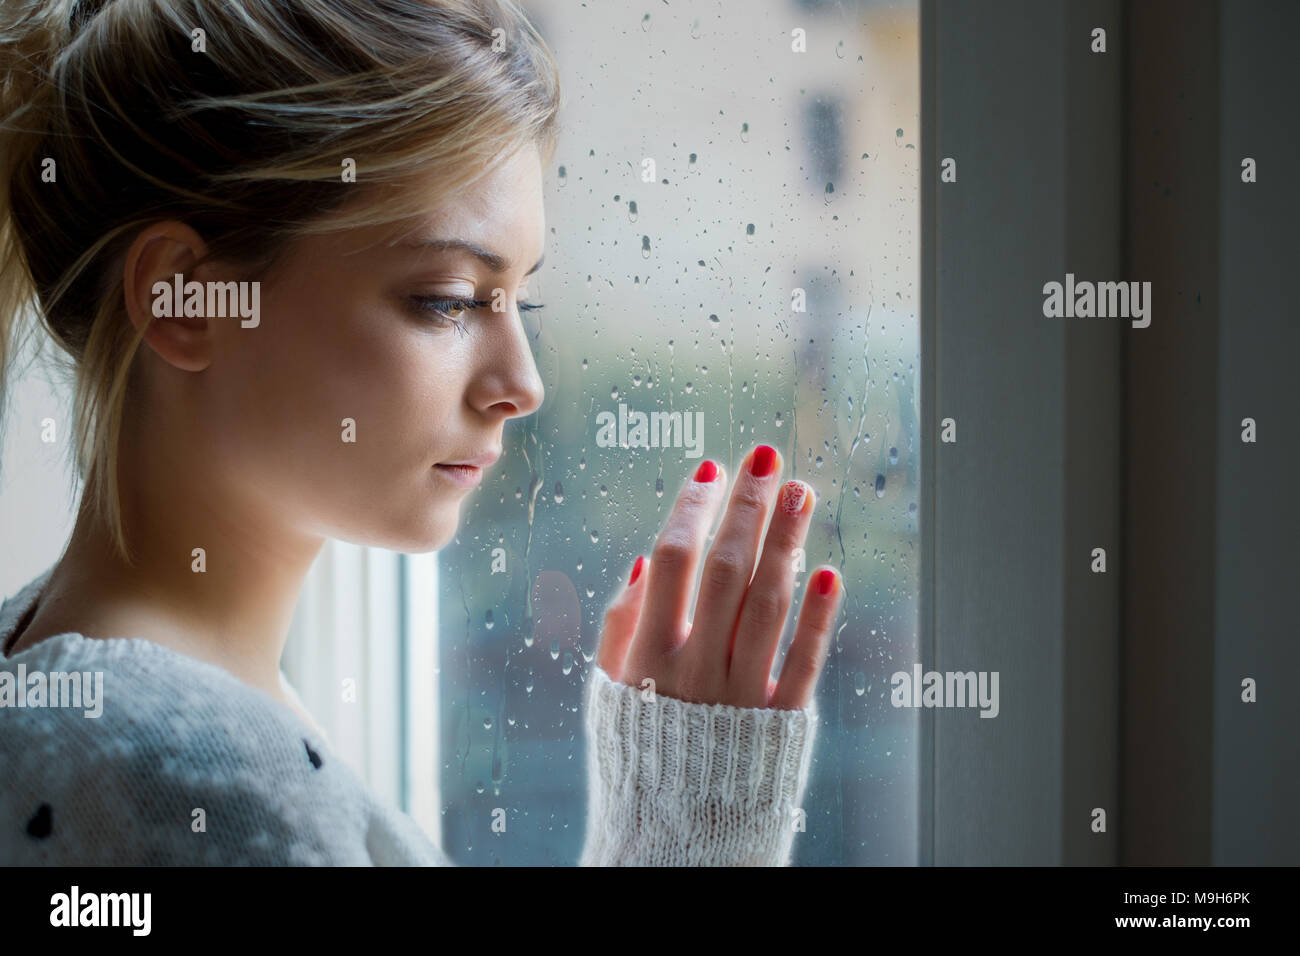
(285, 245)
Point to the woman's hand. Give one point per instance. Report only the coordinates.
(724, 655)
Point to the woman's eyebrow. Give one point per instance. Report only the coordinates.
(494, 261)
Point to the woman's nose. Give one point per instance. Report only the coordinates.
(511, 372)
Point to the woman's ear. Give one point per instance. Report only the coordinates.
(160, 253)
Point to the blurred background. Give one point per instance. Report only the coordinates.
(772, 171)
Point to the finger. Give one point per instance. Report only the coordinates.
(620, 623)
(730, 562)
(767, 601)
(812, 637)
(670, 579)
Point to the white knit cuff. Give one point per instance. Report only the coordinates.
(674, 783)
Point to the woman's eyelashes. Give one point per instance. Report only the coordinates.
(449, 312)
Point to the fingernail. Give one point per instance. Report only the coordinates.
(763, 462)
(706, 472)
(636, 569)
(793, 495)
(825, 581)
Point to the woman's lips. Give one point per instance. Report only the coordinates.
(467, 476)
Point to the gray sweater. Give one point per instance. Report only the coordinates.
(122, 751)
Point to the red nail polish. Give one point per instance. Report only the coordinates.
(825, 581)
(636, 569)
(763, 462)
(706, 472)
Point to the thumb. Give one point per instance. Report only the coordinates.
(620, 622)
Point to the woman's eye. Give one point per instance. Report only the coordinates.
(444, 312)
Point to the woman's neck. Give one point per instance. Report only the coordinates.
(208, 586)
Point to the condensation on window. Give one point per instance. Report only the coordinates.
(732, 234)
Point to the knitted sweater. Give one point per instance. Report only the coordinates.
(174, 761)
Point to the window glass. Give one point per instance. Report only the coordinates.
(732, 234)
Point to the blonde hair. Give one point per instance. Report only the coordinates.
(244, 141)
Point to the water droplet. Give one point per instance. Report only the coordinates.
(713, 318)
(487, 621)
(830, 188)
(567, 664)
(582, 465)
(779, 421)
(691, 160)
(749, 229)
(689, 388)
(659, 487)
(595, 535)
(584, 365)
(744, 132)
(555, 648)
(528, 684)
(478, 787)
(880, 486)
(818, 463)
(631, 210)
(487, 723)
(603, 492)
(559, 493)
(645, 247)
(893, 456)
(613, 393)
(860, 684)
(898, 132)
(563, 174)
(912, 508)
(636, 381)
